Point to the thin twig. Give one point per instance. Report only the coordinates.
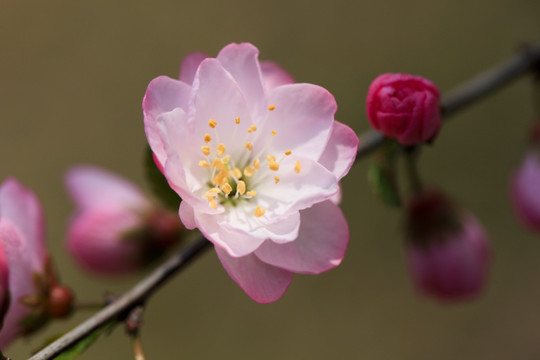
(137, 295)
(471, 91)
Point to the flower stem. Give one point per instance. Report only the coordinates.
(411, 164)
(137, 348)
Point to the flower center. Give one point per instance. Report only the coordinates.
(231, 180)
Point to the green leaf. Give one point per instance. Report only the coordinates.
(168, 197)
(83, 344)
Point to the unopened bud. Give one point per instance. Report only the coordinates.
(404, 107)
(60, 302)
(448, 249)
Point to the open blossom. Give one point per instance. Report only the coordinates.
(404, 107)
(448, 249)
(255, 159)
(116, 228)
(525, 189)
(31, 284)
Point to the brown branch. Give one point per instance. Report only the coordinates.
(460, 97)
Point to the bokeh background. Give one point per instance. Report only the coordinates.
(72, 77)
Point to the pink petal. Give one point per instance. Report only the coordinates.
(187, 216)
(241, 61)
(274, 75)
(261, 282)
(21, 206)
(321, 244)
(19, 255)
(340, 151)
(189, 66)
(303, 118)
(297, 191)
(241, 220)
(162, 95)
(219, 97)
(93, 187)
(96, 239)
(236, 243)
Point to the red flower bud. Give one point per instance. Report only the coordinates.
(404, 107)
(60, 302)
(448, 250)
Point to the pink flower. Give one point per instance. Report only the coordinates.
(116, 228)
(525, 190)
(404, 107)
(255, 159)
(31, 281)
(448, 249)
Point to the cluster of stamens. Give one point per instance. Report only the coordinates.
(228, 182)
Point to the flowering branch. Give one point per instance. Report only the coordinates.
(456, 99)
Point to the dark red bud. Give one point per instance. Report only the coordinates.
(60, 302)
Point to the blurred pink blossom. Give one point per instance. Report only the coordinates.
(256, 160)
(404, 107)
(116, 228)
(448, 249)
(525, 191)
(25, 261)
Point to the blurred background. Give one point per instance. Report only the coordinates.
(72, 77)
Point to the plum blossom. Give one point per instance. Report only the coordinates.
(116, 228)
(31, 286)
(256, 160)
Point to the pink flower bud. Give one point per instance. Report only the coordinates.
(25, 261)
(404, 107)
(525, 191)
(448, 250)
(116, 229)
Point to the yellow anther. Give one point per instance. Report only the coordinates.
(274, 133)
(212, 123)
(270, 158)
(205, 150)
(249, 146)
(220, 149)
(276, 179)
(274, 166)
(208, 196)
(225, 160)
(213, 204)
(215, 190)
(241, 187)
(237, 173)
(237, 120)
(249, 171)
(256, 164)
(217, 163)
(224, 180)
(297, 167)
(252, 128)
(251, 193)
(259, 211)
(227, 188)
(204, 164)
(272, 107)
(207, 138)
(288, 152)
